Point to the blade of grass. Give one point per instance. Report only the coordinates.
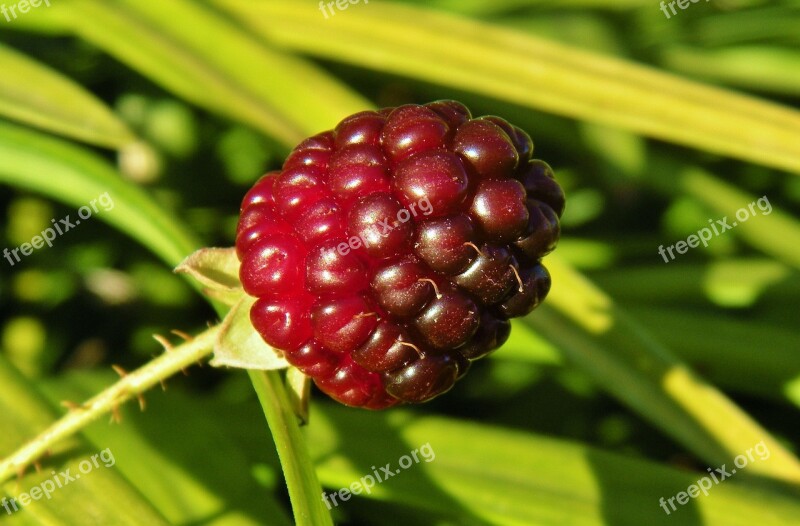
(153, 453)
(624, 358)
(127, 388)
(74, 176)
(771, 231)
(758, 68)
(732, 282)
(534, 72)
(104, 495)
(727, 360)
(730, 358)
(39, 96)
(234, 75)
(500, 476)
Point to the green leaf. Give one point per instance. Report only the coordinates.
(479, 474)
(761, 223)
(281, 95)
(732, 282)
(39, 96)
(729, 358)
(626, 360)
(239, 345)
(74, 176)
(534, 72)
(152, 451)
(759, 68)
(99, 496)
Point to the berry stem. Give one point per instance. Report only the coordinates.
(298, 468)
(131, 385)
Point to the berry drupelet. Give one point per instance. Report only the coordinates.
(389, 253)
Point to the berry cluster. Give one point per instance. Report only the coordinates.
(379, 316)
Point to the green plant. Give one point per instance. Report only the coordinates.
(197, 99)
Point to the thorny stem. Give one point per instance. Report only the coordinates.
(129, 386)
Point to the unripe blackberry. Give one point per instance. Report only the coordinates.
(390, 252)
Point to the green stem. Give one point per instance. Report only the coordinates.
(301, 479)
(129, 386)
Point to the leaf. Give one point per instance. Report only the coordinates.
(508, 65)
(624, 358)
(764, 226)
(72, 175)
(729, 357)
(104, 495)
(478, 474)
(281, 95)
(239, 345)
(153, 453)
(759, 68)
(39, 96)
(732, 282)
(217, 269)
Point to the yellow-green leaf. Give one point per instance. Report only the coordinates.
(509, 65)
(39, 96)
(232, 74)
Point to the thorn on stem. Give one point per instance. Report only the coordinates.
(71, 406)
(116, 416)
(164, 342)
(182, 335)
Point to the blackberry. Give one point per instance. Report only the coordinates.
(390, 252)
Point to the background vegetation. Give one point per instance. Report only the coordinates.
(632, 380)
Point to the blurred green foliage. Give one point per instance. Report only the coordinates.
(176, 107)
